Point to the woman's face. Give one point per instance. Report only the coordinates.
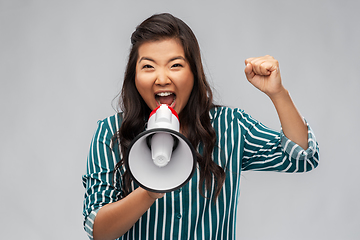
(163, 75)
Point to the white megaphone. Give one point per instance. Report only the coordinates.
(161, 159)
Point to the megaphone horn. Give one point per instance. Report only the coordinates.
(161, 159)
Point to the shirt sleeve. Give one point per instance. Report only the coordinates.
(269, 150)
(101, 186)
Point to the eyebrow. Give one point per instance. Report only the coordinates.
(152, 60)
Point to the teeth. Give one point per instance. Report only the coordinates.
(164, 94)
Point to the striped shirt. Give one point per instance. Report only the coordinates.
(242, 144)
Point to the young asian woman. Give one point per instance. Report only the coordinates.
(165, 67)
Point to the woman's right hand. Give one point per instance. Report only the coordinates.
(116, 218)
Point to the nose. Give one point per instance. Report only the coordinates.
(162, 79)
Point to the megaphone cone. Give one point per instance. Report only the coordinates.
(161, 159)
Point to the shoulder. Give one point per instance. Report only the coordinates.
(112, 121)
(223, 117)
(110, 125)
(230, 114)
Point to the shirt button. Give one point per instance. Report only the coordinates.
(178, 216)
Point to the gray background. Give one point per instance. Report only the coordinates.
(62, 63)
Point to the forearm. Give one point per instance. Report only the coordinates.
(115, 219)
(263, 73)
(293, 125)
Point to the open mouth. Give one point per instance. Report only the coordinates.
(167, 98)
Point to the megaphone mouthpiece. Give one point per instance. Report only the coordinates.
(163, 117)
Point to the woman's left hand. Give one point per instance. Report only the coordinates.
(264, 74)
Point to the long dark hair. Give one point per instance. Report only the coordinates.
(194, 118)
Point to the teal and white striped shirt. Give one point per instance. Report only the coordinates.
(242, 144)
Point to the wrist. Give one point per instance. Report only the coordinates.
(280, 95)
(154, 195)
(151, 196)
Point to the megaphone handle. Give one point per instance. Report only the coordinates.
(148, 141)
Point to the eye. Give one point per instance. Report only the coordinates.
(176, 65)
(147, 66)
